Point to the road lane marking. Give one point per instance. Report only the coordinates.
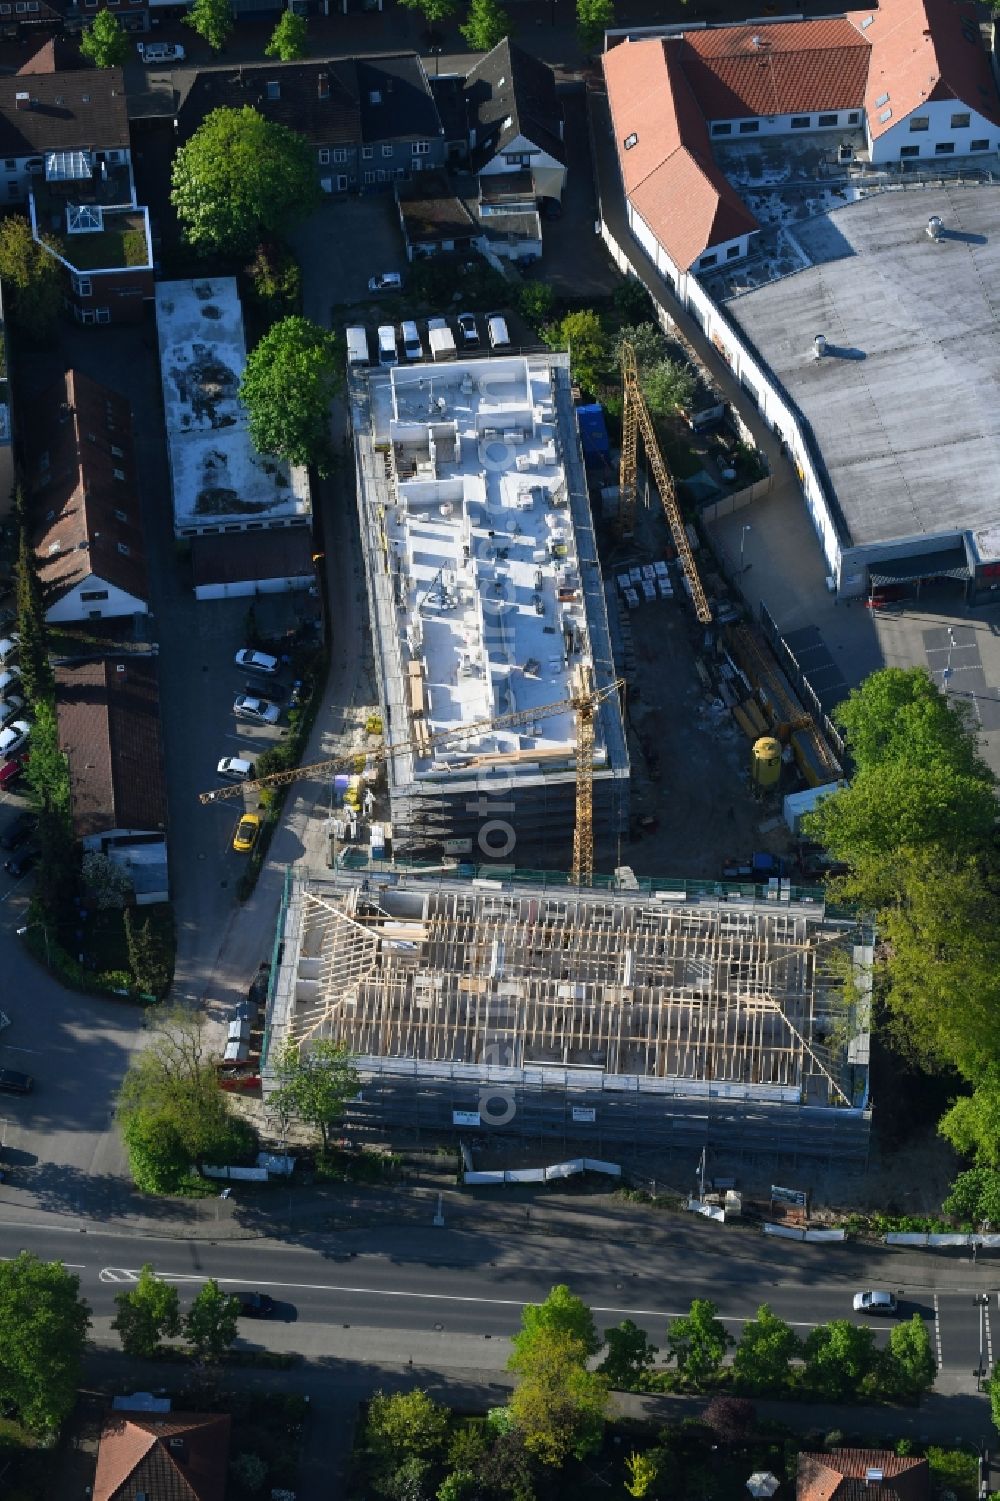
(989, 1335)
(937, 1333)
(129, 1274)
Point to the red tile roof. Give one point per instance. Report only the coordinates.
(795, 68)
(669, 173)
(923, 50)
(842, 1474)
(109, 729)
(85, 520)
(178, 1457)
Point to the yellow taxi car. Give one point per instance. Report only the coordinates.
(246, 833)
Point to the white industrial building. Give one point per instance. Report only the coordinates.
(486, 601)
(220, 482)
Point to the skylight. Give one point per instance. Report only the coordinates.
(882, 99)
(886, 115)
(631, 140)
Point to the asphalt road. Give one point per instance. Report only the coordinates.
(423, 1284)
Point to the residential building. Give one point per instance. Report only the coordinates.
(636, 1020)
(109, 730)
(220, 482)
(486, 599)
(134, 15)
(7, 476)
(371, 121)
(84, 500)
(64, 143)
(433, 216)
(515, 119)
(905, 83)
(862, 1475)
(174, 1456)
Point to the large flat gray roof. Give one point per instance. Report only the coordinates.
(905, 407)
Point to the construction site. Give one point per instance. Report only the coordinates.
(638, 1020)
(487, 609)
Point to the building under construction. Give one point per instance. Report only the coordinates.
(486, 604)
(635, 1020)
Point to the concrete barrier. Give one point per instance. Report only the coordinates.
(933, 1242)
(710, 1211)
(549, 1174)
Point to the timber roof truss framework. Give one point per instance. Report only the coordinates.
(728, 994)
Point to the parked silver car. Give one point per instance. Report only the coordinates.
(260, 710)
(874, 1301)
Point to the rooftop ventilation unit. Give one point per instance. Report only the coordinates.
(819, 346)
(934, 227)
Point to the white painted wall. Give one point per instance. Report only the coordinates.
(243, 588)
(939, 115)
(520, 146)
(118, 602)
(781, 125)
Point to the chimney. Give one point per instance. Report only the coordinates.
(323, 86)
(22, 101)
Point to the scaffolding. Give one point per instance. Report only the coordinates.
(743, 998)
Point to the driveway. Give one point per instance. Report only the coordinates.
(340, 247)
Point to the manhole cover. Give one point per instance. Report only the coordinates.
(439, 1327)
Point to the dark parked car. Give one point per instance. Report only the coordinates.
(16, 833)
(256, 1305)
(19, 865)
(12, 1081)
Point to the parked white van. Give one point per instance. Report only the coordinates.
(496, 328)
(387, 344)
(412, 347)
(357, 346)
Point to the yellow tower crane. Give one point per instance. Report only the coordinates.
(584, 702)
(636, 419)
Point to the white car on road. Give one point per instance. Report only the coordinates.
(874, 1301)
(156, 53)
(257, 709)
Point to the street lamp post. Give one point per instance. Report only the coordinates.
(45, 931)
(743, 541)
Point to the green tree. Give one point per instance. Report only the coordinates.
(558, 1405)
(582, 333)
(48, 782)
(289, 38)
(593, 17)
(972, 1124)
(43, 1329)
(907, 1367)
(632, 302)
(975, 1197)
(32, 280)
(315, 1086)
(900, 714)
(403, 1425)
(104, 43)
(642, 1472)
(290, 379)
(210, 1324)
(432, 11)
(767, 1345)
(33, 652)
(275, 278)
(667, 385)
(648, 344)
(147, 1313)
(995, 1398)
(698, 1341)
(149, 955)
(172, 1112)
(840, 1357)
(535, 300)
(631, 1352)
(562, 1312)
(212, 20)
(486, 26)
(238, 177)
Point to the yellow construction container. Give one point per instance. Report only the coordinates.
(765, 762)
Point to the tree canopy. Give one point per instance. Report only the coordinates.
(290, 378)
(212, 20)
(561, 1312)
(105, 43)
(32, 280)
(839, 1357)
(211, 1322)
(172, 1112)
(582, 333)
(147, 1313)
(698, 1341)
(289, 39)
(558, 1405)
(238, 177)
(315, 1086)
(767, 1345)
(432, 10)
(486, 26)
(667, 385)
(630, 1354)
(43, 1329)
(593, 17)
